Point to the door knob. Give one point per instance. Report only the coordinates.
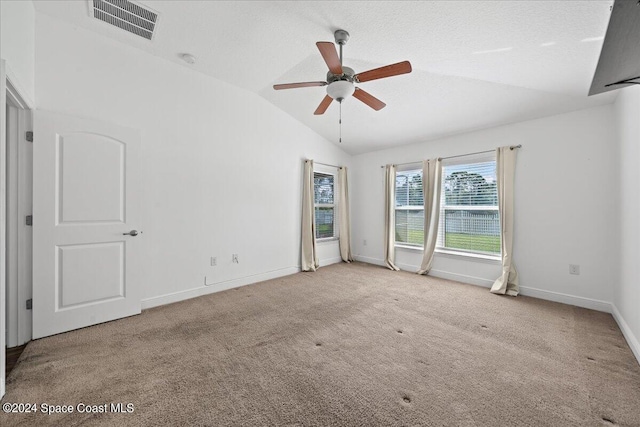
(132, 233)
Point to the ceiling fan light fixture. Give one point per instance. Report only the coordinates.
(340, 90)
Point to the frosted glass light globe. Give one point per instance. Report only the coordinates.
(340, 90)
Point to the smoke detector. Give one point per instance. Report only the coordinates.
(129, 16)
(188, 58)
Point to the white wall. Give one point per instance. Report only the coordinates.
(627, 293)
(565, 206)
(17, 43)
(214, 156)
(221, 166)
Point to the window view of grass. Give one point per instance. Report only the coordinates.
(474, 243)
(324, 231)
(409, 227)
(324, 223)
(473, 231)
(470, 230)
(466, 242)
(410, 237)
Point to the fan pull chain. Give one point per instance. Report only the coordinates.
(340, 121)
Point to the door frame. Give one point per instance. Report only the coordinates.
(11, 91)
(19, 204)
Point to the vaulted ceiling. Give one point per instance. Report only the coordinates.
(476, 64)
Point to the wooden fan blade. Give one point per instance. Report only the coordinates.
(296, 85)
(369, 99)
(403, 67)
(330, 55)
(323, 105)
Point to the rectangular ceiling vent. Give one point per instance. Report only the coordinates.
(127, 15)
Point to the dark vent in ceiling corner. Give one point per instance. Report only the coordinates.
(126, 15)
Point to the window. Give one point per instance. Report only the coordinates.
(409, 208)
(324, 197)
(469, 217)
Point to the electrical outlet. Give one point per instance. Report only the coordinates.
(234, 258)
(214, 261)
(364, 242)
(574, 269)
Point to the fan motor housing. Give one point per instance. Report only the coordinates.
(347, 75)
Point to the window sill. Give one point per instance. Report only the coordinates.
(411, 248)
(328, 240)
(455, 254)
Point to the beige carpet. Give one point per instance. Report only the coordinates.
(353, 345)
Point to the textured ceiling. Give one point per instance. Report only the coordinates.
(476, 64)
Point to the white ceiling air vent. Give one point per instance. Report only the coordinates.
(127, 15)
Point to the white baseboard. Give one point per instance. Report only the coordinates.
(590, 303)
(368, 260)
(407, 267)
(216, 287)
(577, 301)
(329, 261)
(435, 273)
(472, 280)
(380, 262)
(226, 284)
(632, 340)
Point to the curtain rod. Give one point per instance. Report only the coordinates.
(326, 164)
(459, 155)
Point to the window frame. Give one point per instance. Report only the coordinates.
(409, 167)
(465, 160)
(334, 205)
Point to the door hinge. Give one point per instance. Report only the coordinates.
(29, 303)
(29, 220)
(29, 136)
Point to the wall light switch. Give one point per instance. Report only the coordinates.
(574, 269)
(214, 261)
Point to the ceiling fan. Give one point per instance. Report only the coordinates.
(341, 80)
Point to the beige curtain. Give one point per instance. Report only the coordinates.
(390, 217)
(309, 260)
(431, 176)
(344, 224)
(507, 283)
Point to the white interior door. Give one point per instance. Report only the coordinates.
(85, 268)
